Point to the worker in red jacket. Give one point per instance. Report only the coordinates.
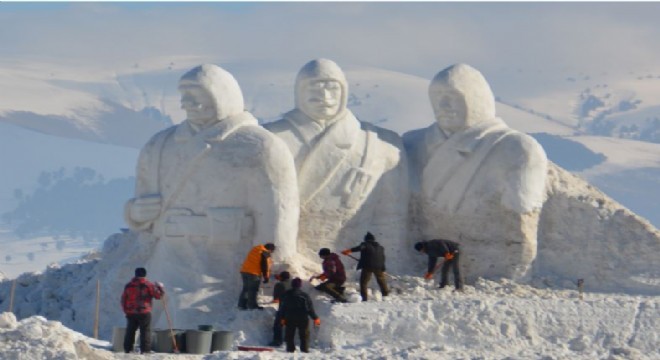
(333, 275)
(136, 302)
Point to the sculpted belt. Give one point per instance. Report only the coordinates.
(222, 225)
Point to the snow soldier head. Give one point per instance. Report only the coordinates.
(321, 90)
(461, 98)
(209, 94)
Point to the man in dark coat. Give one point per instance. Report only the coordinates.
(449, 251)
(281, 287)
(295, 310)
(333, 276)
(372, 261)
(136, 303)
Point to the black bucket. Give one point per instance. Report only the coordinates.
(222, 341)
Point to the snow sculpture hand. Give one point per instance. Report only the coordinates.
(145, 209)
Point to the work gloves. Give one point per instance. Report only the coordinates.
(160, 287)
(449, 256)
(428, 276)
(346, 252)
(283, 322)
(317, 322)
(321, 277)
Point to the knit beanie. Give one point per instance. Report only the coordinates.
(140, 272)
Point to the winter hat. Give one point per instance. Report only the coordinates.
(270, 246)
(296, 283)
(140, 272)
(419, 246)
(284, 275)
(324, 252)
(369, 237)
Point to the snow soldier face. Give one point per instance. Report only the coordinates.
(461, 98)
(321, 90)
(209, 94)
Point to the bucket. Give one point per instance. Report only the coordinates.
(180, 340)
(198, 342)
(222, 341)
(164, 341)
(118, 334)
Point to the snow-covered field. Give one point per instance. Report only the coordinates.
(490, 320)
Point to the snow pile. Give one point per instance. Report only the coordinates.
(490, 320)
(38, 338)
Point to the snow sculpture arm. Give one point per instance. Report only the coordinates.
(276, 207)
(526, 175)
(141, 211)
(390, 218)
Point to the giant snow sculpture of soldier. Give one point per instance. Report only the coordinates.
(475, 180)
(352, 175)
(210, 188)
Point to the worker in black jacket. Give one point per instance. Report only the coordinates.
(449, 251)
(295, 310)
(281, 287)
(372, 261)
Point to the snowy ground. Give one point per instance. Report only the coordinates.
(491, 320)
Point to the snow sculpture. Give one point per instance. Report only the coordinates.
(475, 180)
(352, 175)
(210, 188)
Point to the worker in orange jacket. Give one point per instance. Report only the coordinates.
(257, 264)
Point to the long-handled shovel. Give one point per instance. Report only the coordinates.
(397, 290)
(169, 323)
(316, 336)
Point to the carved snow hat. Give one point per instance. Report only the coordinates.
(469, 83)
(220, 84)
(321, 69)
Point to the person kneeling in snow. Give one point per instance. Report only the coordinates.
(295, 308)
(333, 275)
(136, 302)
(449, 251)
(282, 286)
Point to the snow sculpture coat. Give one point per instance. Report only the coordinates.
(224, 189)
(350, 173)
(482, 185)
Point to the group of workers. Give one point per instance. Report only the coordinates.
(295, 307)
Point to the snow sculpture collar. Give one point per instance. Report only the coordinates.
(321, 70)
(220, 85)
(473, 92)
